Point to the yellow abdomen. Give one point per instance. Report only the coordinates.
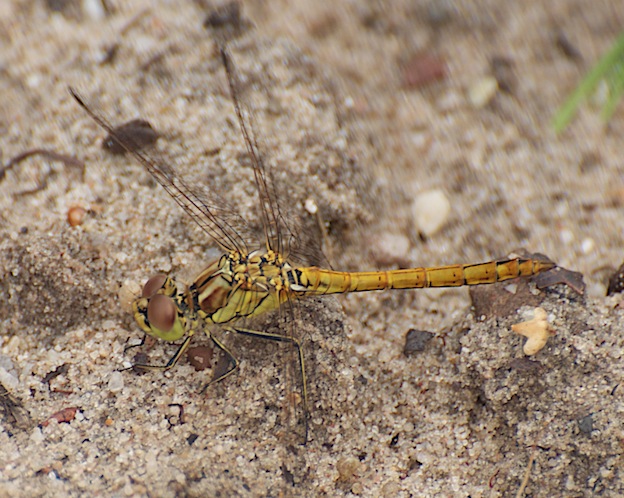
(320, 281)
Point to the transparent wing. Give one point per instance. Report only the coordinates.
(284, 231)
(280, 238)
(214, 216)
(275, 227)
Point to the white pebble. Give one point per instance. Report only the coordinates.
(37, 435)
(8, 380)
(431, 210)
(115, 382)
(481, 92)
(587, 245)
(310, 206)
(511, 288)
(94, 9)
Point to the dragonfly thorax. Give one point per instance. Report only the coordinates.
(235, 286)
(240, 285)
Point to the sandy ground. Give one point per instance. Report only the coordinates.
(345, 126)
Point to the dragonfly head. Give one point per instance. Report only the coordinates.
(158, 312)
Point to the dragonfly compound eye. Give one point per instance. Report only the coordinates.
(153, 285)
(162, 312)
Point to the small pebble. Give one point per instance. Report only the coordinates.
(37, 435)
(423, 69)
(616, 281)
(310, 206)
(503, 70)
(537, 331)
(348, 468)
(135, 135)
(431, 210)
(390, 248)
(94, 9)
(76, 216)
(482, 91)
(586, 424)
(416, 341)
(587, 245)
(200, 357)
(115, 382)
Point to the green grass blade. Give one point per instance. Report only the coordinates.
(609, 67)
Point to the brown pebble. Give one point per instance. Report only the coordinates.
(134, 135)
(200, 357)
(559, 275)
(423, 69)
(616, 281)
(503, 299)
(503, 71)
(65, 415)
(76, 216)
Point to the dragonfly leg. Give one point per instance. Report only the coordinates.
(296, 344)
(231, 358)
(136, 345)
(171, 363)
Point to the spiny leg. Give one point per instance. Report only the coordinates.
(231, 358)
(173, 361)
(234, 362)
(170, 364)
(291, 340)
(132, 346)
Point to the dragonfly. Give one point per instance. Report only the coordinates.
(243, 284)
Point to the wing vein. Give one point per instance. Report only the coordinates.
(218, 228)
